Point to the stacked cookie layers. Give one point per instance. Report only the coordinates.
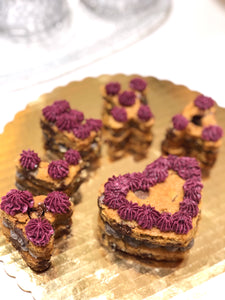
(32, 223)
(195, 133)
(127, 119)
(65, 128)
(41, 177)
(153, 214)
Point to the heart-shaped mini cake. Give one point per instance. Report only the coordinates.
(41, 177)
(65, 128)
(32, 224)
(153, 213)
(127, 119)
(195, 133)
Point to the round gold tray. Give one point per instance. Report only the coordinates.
(81, 268)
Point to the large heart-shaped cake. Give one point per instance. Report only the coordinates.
(153, 213)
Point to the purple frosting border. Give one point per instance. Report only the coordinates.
(116, 189)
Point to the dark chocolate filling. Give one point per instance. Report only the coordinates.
(16, 236)
(197, 120)
(137, 243)
(190, 145)
(25, 181)
(18, 240)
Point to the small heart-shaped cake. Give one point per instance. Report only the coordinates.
(127, 119)
(65, 128)
(153, 213)
(32, 224)
(195, 133)
(42, 177)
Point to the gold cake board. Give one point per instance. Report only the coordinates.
(81, 267)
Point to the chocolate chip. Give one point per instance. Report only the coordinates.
(141, 194)
(197, 120)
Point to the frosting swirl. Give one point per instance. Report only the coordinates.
(29, 159)
(117, 185)
(114, 200)
(179, 122)
(190, 207)
(181, 223)
(192, 189)
(51, 112)
(212, 133)
(204, 102)
(128, 210)
(82, 131)
(134, 181)
(164, 222)
(66, 121)
(58, 169)
(57, 202)
(72, 157)
(159, 163)
(156, 174)
(171, 159)
(94, 124)
(112, 88)
(144, 113)
(138, 84)
(61, 106)
(187, 167)
(78, 115)
(127, 98)
(119, 114)
(39, 231)
(16, 201)
(146, 216)
(147, 181)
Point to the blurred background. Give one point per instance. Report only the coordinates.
(49, 43)
(45, 44)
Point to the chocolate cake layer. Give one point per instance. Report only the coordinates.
(129, 246)
(118, 233)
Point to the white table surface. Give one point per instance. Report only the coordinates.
(188, 49)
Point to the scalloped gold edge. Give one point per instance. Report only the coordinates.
(45, 95)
